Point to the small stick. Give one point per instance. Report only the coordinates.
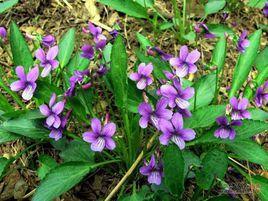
(131, 169)
(241, 165)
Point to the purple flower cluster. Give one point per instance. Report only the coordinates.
(54, 121)
(153, 170)
(238, 111)
(199, 27)
(100, 137)
(265, 9)
(3, 33)
(48, 41)
(156, 50)
(243, 42)
(261, 96)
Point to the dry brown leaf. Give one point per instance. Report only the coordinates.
(92, 10)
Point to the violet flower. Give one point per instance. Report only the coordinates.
(98, 37)
(261, 96)
(243, 42)
(238, 108)
(154, 116)
(226, 129)
(3, 33)
(185, 63)
(99, 137)
(48, 40)
(203, 27)
(173, 131)
(164, 56)
(87, 52)
(153, 170)
(265, 9)
(143, 76)
(26, 82)
(176, 95)
(47, 61)
(52, 111)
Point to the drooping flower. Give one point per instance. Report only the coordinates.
(26, 82)
(114, 33)
(243, 42)
(153, 170)
(185, 63)
(99, 137)
(226, 129)
(3, 33)
(143, 76)
(48, 40)
(173, 131)
(52, 111)
(47, 61)
(261, 96)
(239, 108)
(87, 52)
(164, 56)
(148, 115)
(99, 39)
(176, 95)
(265, 9)
(56, 133)
(199, 27)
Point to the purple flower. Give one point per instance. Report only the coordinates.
(114, 33)
(99, 137)
(242, 43)
(176, 95)
(226, 129)
(238, 108)
(153, 170)
(98, 37)
(164, 56)
(142, 77)
(52, 111)
(3, 33)
(87, 52)
(173, 131)
(47, 60)
(26, 82)
(185, 63)
(265, 9)
(48, 40)
(261, 97)
(202, 26)
(154, 116)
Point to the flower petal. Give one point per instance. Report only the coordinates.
(145, 109)
(58, 107)
(141, 84)
(33, 74)
(50, 120)
(222, 121)
(165, 138)
(20, 73)
(168, 91)
(57, 122)
(40, 55)
(44, 110)
(175, 62)
(27, 93)
(181, 103)
(89, 137)
(52, 53)
(98, 145)
(109, 129)
(52, 99)
(134, 76)
(144, 69)
(143, 122)
(109, 143)
(178, 141)
(55, 134)
(155, 178)
(182, 71)
(17, 85)
(177, 121)
(234, 102)
(46, 71)
(165, 126)
(193, 57)
(187, 93)
(183, 52)
(187, 134)
(242, 104)
(96, 125)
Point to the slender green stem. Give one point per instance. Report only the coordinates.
(11, 93)
(184, 17)
(27, 149)
(105, 163)
(216, 86)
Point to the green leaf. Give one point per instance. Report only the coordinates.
(215, 165)
(128, 7)
(219, 53)
(159, 65)
(261, 185)
(145, 3)
(245, 62)
(174, 170)
(258, 114)
(25, 127)
(257, 3)
(61, 179)
(7, 4)
(190, 159)
(134, 97)
(5, 105)
(119, 72)
(205, 90)
(3, 165)
(261, 60)
(220, 30)
(45, 90)
(138, 196)
(204, 116)
(47, 163)
(213, 6)
(19, 48)
(166, 25)
(249, 150)
(77, 151)
(144, 42)
(77, 63)
(6, 136)
(66, 47)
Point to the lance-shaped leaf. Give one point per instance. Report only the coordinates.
(66, 47)
(245, 62)
(19, 48)
(219, 53)
(7, 4)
